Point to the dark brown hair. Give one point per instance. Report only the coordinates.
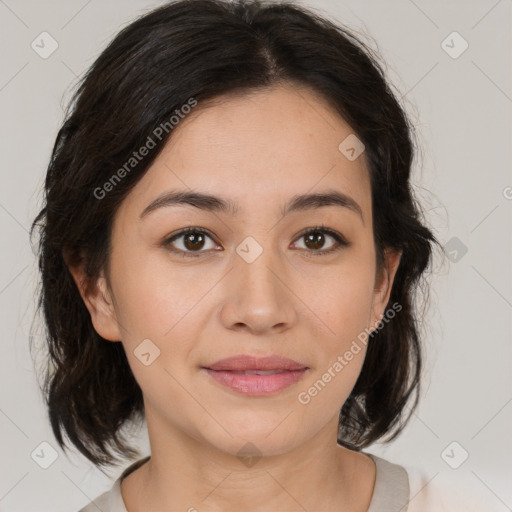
(205, 49)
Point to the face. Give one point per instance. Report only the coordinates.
(265, 276)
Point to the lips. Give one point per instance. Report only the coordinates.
(256, 376)
(243, 363)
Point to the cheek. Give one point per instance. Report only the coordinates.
(343, 306)
(151, 295)
(342, 301)
(157, 303)
(336, 371)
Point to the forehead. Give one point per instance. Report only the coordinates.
(259, 149)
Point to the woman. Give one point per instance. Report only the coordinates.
(230, 250)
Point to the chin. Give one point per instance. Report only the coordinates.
(255, 443)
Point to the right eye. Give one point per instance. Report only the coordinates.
(193, 240)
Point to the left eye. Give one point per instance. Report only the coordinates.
(315, 239)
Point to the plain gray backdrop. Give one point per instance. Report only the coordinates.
(460, 101)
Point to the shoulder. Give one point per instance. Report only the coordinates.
(443, 491)
(412, 489)
(109, 501)
(112, 500)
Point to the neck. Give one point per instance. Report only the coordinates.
(185, 473)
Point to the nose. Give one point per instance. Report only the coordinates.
(258, 296)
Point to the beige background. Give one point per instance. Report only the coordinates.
(462, 108)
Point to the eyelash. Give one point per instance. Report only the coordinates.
(341, 242)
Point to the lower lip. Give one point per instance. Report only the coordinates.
(256, 385)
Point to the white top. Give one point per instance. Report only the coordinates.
(397, 489)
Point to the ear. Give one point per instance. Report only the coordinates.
(383, 285)
(98, 300)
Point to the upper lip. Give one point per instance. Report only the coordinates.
(245, 363)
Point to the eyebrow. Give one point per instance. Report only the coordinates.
(210, 203)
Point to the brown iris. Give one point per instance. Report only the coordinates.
(193, 240)
(316, 239)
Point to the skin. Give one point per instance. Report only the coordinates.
(259, 149)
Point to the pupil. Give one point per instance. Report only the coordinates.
(318, 236)
(196, 238)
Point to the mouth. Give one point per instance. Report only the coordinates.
(256, 376)
(256, 383)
